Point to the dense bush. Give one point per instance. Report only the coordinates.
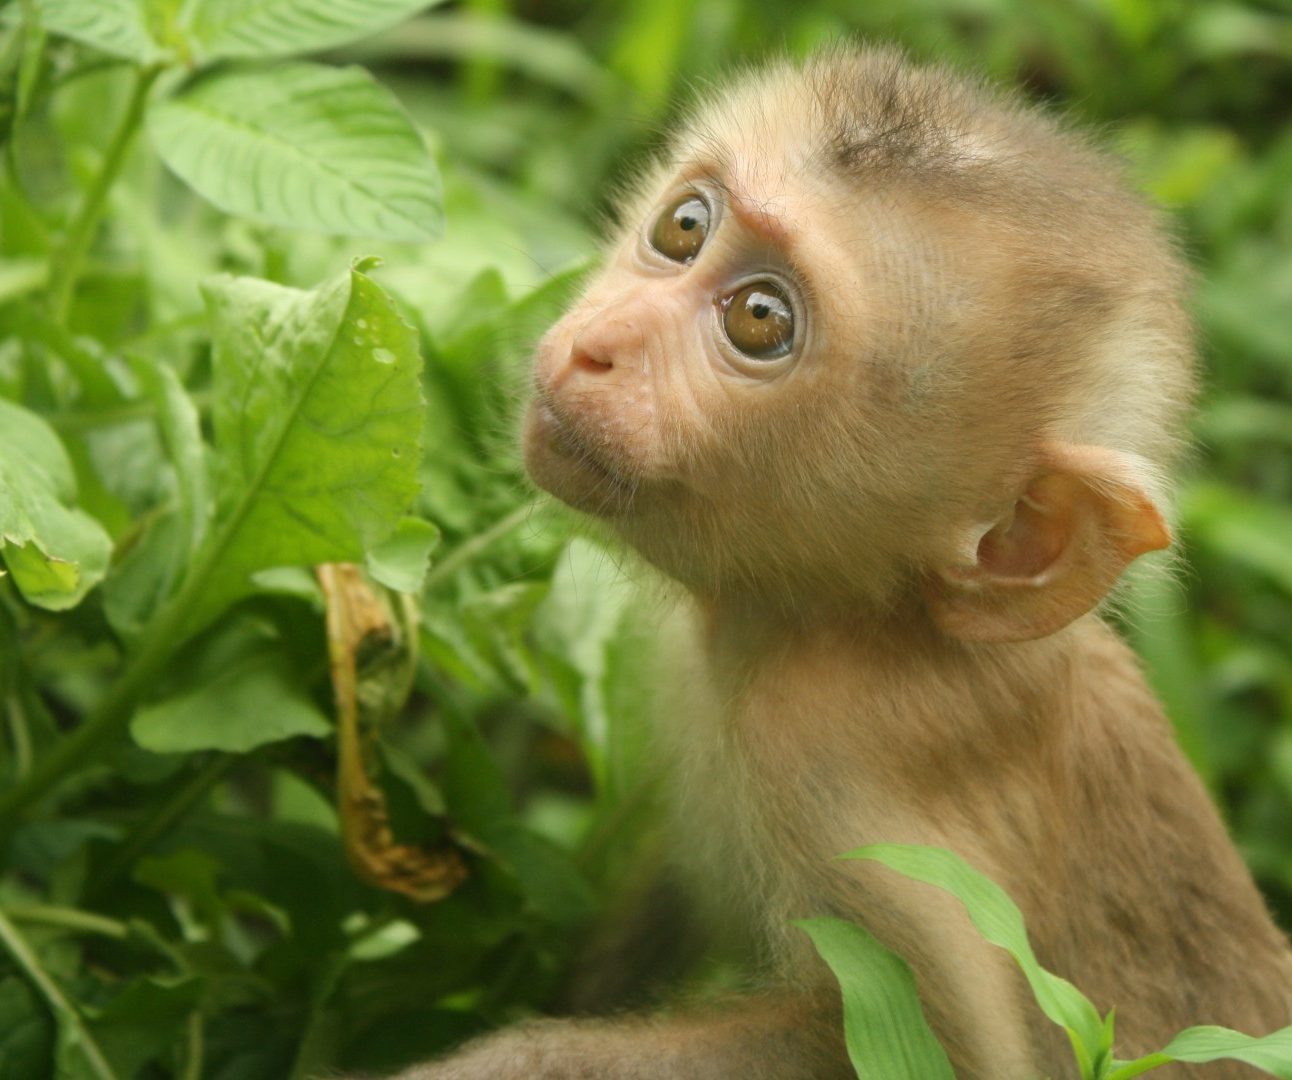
(206, 389)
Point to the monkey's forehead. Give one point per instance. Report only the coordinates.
(852, 113)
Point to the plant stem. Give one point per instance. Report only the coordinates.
(317, 1035)
(161, 821)
(63, 1009)
(469, 549)
(157, 645)
(66, 264)
(63, 918)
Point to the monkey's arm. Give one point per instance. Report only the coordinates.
(784, 1037)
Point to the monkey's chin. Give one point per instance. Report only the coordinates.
(559, 464)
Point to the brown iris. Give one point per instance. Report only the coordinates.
(759, 321)
(680, 230)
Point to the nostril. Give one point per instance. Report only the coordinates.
(585, 361)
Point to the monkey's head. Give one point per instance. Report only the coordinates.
(874, 336)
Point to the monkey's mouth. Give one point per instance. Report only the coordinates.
(564, 462)
(562, 438)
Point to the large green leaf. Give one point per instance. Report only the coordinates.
(55, 552)
(1272, 1052)
(282, 27)
(304, 146)
(318, 422)
(243, 693)
(998, 920)
(887, 1035)
(119, 27)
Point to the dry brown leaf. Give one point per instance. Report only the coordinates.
(361, 624)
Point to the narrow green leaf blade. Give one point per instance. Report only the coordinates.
(1197, 1045)
(181, 432)
(318, 423)
(303, 146)
(256, 28)
(998, 920)
(887, 1035)
(55, 552)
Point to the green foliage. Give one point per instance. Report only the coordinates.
(301, 145)
(189, 420)
(55, 552)
(882, 1014)
(888, 1037)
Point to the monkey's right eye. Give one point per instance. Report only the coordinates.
(680, 231)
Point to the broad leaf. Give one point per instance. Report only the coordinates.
(998, 920)
(884, 1026)
(255, 699)
(253, 28)
(1272, 1052)
(304, 146)
(318, 421)
(55, 553)
(145, 1021)
(401, 560)
(114, 26)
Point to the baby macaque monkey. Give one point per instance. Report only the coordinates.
(889, 370)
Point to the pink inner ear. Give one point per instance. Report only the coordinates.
(1030, 542)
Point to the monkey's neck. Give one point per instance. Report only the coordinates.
(885, 685)
(1048, 765)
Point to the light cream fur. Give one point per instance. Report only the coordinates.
(892, 546)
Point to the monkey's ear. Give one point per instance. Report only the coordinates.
(1055, 555)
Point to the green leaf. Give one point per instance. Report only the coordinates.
(145, 1021)
(552, 882)
(400, 561)
(254, 699)
(55, 552)
(998, 920)
(579, 621)
(26, 1034)
(118, 27)
(181, 432)
(1272, 1052)
(303, 146)
(887, 1035)
(255, 28)
(318, 422)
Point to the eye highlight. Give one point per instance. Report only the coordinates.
(680, 231)
(759, 320)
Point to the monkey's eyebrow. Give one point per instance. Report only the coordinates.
(752, 214)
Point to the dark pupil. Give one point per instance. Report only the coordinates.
(687, 222)
(760, 311)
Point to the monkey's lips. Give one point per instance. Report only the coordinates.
(562, 461)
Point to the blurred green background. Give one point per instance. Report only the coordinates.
(523, 738)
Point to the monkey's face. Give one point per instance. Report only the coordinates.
(715, 394)
(693, 395)
(858, 341)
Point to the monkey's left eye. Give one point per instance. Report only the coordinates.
(679, 232)
(759, 321)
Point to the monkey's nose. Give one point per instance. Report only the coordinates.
(583, 359)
